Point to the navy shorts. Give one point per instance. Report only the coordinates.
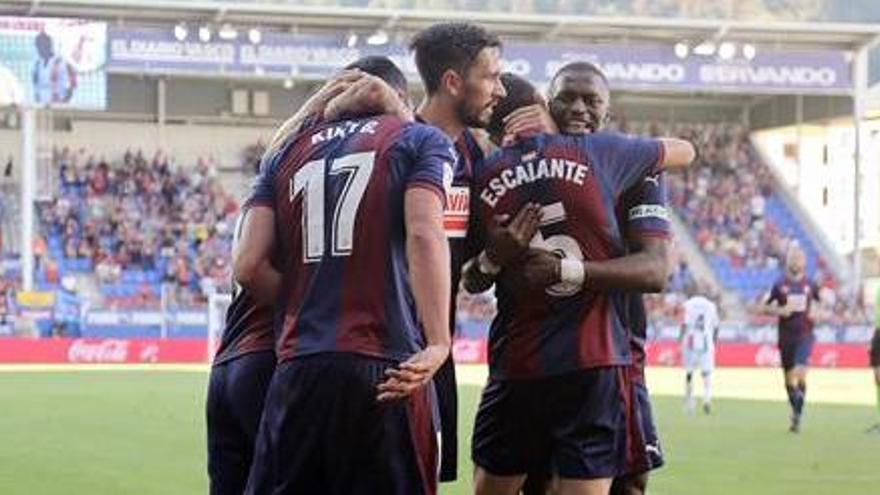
(447, 402)
(875, 349)
(796, 352)
(236, 390)
(577, 423)
(651, 455)
(324, 432)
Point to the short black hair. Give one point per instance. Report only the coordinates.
(383, 68)
(580, 66)
(520, 93)
(449, 45)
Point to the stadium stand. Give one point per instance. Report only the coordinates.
(135, 224)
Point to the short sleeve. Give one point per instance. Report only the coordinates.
(263, 187)
(644, 208)
(432, 158)
(624, 159)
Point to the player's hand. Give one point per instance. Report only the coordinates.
(338, 84)
(541, 269)
(413, 373)
(368, 94)
(529, 121)
(509, 239)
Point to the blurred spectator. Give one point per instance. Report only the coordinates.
(140, 215)
(66, 313)
(7, 298)
(252, 156)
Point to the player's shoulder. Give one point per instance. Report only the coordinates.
(417, 138)
(420, 132)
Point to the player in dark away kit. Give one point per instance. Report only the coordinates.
(240, 374)
(580, 104)
(357, 203)
(559, 345)
(792, 299)
(460, 67)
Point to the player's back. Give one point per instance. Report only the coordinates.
(577, 180)
(338, 193)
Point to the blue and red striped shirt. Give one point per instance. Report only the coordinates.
(337, 190)
(799, 295)
(578, 180)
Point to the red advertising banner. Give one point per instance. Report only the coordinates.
(737, 354)
(668, 353)
(102, 351)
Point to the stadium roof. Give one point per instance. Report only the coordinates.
(792, 35)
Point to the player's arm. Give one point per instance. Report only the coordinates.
(770, 304)
(252, 252)
(506, 242)
(314, 107)
(818, 311)
(645, 271)
(427, 251)
(368, 95)
(677, 153)
(251, 258)
(717, 326)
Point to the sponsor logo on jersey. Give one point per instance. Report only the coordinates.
(455, 218)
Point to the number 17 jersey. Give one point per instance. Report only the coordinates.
(337, 190)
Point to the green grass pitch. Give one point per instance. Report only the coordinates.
(142, 432)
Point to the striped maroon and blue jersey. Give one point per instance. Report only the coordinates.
(460, 201)
(249, 325)
(337, 190)
(644, 213)
(579, 181)
(798, 295)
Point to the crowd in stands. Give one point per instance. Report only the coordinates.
(142, 225)
(137, 222)
(723, 199)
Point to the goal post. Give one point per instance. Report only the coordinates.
(218, 303)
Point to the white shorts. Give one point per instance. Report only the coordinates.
(698, 360)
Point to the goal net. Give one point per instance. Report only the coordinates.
(218, 303)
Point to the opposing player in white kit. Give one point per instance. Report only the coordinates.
(698, 336)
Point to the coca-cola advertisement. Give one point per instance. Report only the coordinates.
(668, 353)
(102, 351)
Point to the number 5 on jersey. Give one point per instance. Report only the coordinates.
(310, 180)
